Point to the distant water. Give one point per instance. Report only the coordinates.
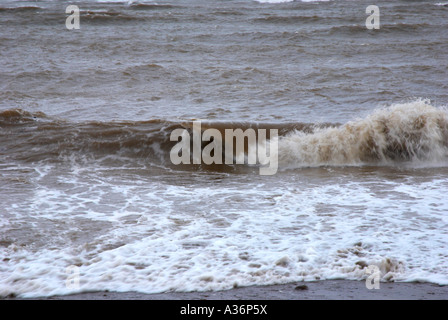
(86, 181)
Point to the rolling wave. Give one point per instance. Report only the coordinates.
(410, 132)
(416, 132)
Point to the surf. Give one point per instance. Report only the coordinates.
(415, 132)
(407, 132)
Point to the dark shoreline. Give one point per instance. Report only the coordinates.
(319, 290)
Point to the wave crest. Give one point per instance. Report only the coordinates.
(415, 131)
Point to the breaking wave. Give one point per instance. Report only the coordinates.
(411, 132)
(415, 131)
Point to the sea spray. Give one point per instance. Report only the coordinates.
(415, 132)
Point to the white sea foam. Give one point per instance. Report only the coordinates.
(159, 236)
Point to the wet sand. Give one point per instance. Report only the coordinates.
(320, 290)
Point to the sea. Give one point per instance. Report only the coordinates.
(90, 95)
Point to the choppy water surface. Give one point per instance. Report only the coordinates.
(86, 116)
